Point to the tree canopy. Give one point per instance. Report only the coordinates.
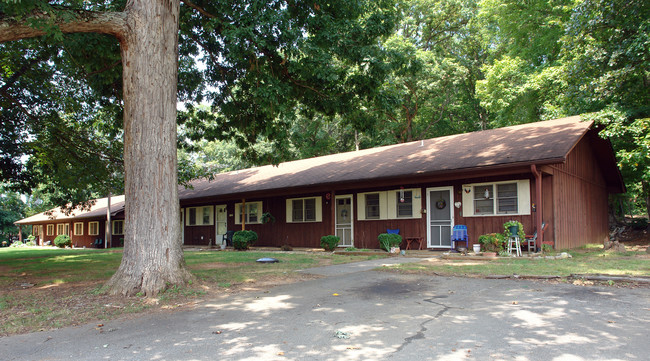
(280, 80)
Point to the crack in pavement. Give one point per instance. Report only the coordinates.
(420, 334)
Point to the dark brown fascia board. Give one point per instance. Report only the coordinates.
(350, 186)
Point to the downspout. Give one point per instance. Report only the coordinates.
(538, 214)
(243, 214)
(332, 201)
(108, 223)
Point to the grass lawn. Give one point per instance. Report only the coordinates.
(587, 260)
(44, 288)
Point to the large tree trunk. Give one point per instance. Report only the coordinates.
(148, 34)
(153, 257)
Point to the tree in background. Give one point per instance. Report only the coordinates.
(436, 55)
(12, 208)
(524, 77)
(606, 56)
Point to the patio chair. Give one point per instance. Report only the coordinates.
(228, 238)
(531, 240)
(459, 234)
(99, 243)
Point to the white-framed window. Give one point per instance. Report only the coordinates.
(199, 216)
(404, 204)
(50, 229)
(497, 198)
(309, 209)
(93, 228)
(253, 212)
(63, 228)
(392, 204)
(78, 228)
(118, 227)
(372, 207)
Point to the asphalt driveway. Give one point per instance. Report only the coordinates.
(358, 314)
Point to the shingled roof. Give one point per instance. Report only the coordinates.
(96, 210)
(534, 143)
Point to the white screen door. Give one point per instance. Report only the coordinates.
(220, 222)
(344, 220)
(440, 202)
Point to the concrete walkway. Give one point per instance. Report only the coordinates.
(359, 314)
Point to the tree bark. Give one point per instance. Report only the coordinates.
(153, 256)
(113, 23)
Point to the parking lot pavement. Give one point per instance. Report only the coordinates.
(368, 315)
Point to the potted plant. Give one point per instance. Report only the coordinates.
(513, 227)
(492, 243)
(390, 242)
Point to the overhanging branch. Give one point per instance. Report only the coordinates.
(112, 23)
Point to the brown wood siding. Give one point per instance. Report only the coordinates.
(580, 200)
(366, 232)
(307, 234)
(86, 240)
(548, 213)
(200, 235)
(477, 226)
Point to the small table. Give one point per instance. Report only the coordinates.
(411, 240)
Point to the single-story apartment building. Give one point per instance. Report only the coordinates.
(557, 172)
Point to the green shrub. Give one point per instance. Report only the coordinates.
(242, 240)
(492, 242)
(329, 242)
(63, 241)
(16, 244)
(389, 240)
(31, 238)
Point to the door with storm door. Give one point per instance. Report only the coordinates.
(344, 220)
(220, 223)
(440, 217)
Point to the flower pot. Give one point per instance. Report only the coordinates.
(477, 248)
(514, 230)
(394, 250)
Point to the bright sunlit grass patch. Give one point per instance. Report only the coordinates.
(592, 262)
